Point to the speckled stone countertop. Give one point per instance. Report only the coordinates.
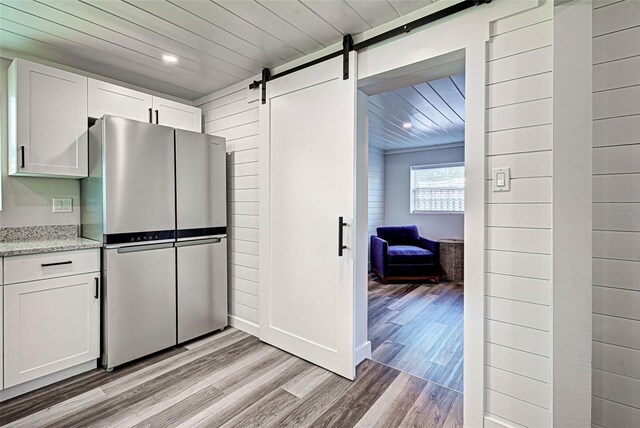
(15, 241)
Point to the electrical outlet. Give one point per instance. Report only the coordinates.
(62, 205)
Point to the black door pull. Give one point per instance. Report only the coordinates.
(341, 246)
(97, 291)
(150, 115)
(68, 262)
(157, 115)
(21, 156)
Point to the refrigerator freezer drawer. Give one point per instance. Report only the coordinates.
(140, 302)
(202, 287)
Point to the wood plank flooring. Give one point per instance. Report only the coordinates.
(231, 379)
(418, 329)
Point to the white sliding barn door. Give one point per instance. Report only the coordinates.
(308, 175)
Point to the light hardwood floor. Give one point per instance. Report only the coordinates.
(418, 329)
(232, 379)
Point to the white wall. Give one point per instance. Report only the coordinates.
(26, 201)
(518, 311)
(518, 328)
(376, 201)
(230, 114)
(571, 247)
(616, 214)
(397, 183)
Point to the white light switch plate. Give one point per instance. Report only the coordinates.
(501, 179)
(62, 205)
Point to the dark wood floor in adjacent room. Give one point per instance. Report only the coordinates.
(418, 329)
(232, 379)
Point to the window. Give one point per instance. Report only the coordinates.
(437, 188)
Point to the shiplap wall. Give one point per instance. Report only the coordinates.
(616, 214)
(376, 189)
(518, 332)
(518, 321)
(233, 116)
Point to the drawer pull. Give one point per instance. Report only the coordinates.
(97, 293)
(68, 262)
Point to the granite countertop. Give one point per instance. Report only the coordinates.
(16, 241)
(17, 248)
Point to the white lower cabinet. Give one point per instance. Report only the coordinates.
(1, 342)
(50, 325)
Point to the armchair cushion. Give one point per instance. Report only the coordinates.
(399, 235)
(398, 252)
(408, 254)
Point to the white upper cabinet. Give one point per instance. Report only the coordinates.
(47, 121)
(107, 98)
(176, 115)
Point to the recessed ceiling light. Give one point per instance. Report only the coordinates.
(170, 59)
(407, 125)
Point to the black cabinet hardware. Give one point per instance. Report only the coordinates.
(21, 156)
(97, 291)
(341, 246)
(150, 115)
(68, 262)
(157, 122)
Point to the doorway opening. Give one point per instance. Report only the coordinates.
(416, 178)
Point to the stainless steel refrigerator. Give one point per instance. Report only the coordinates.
(156, 197)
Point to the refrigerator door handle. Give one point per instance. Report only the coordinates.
(138, 248)
(200, 242)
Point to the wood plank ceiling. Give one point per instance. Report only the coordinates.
(434, 110)
(217, 43)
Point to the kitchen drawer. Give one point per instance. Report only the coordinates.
(34, 267)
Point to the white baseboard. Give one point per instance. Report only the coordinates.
(247, 326)
(34, 384)
(363, 352)
(493, 421)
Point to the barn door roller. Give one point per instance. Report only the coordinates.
(348, 45)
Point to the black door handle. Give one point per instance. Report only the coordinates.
(68, 262)
(341, 246)
(150, 115)
(21, 156)
(97, 291)
(157, 114)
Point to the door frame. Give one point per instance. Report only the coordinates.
(469, 33)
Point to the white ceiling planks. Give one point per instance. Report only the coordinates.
(407, 6)
(129, 20)
(434, 109)
(302, 20)
(374, 12)
(217, 42)
(340, 15)
(449, 91)
(107, 40)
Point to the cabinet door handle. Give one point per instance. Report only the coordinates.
(97, 291)
(21, 156)
(68, 262)
(341, 246)
(150, 115)
(157, 114)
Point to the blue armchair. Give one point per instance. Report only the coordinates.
(400, 253)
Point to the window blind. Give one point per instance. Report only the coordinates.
(437, 188)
